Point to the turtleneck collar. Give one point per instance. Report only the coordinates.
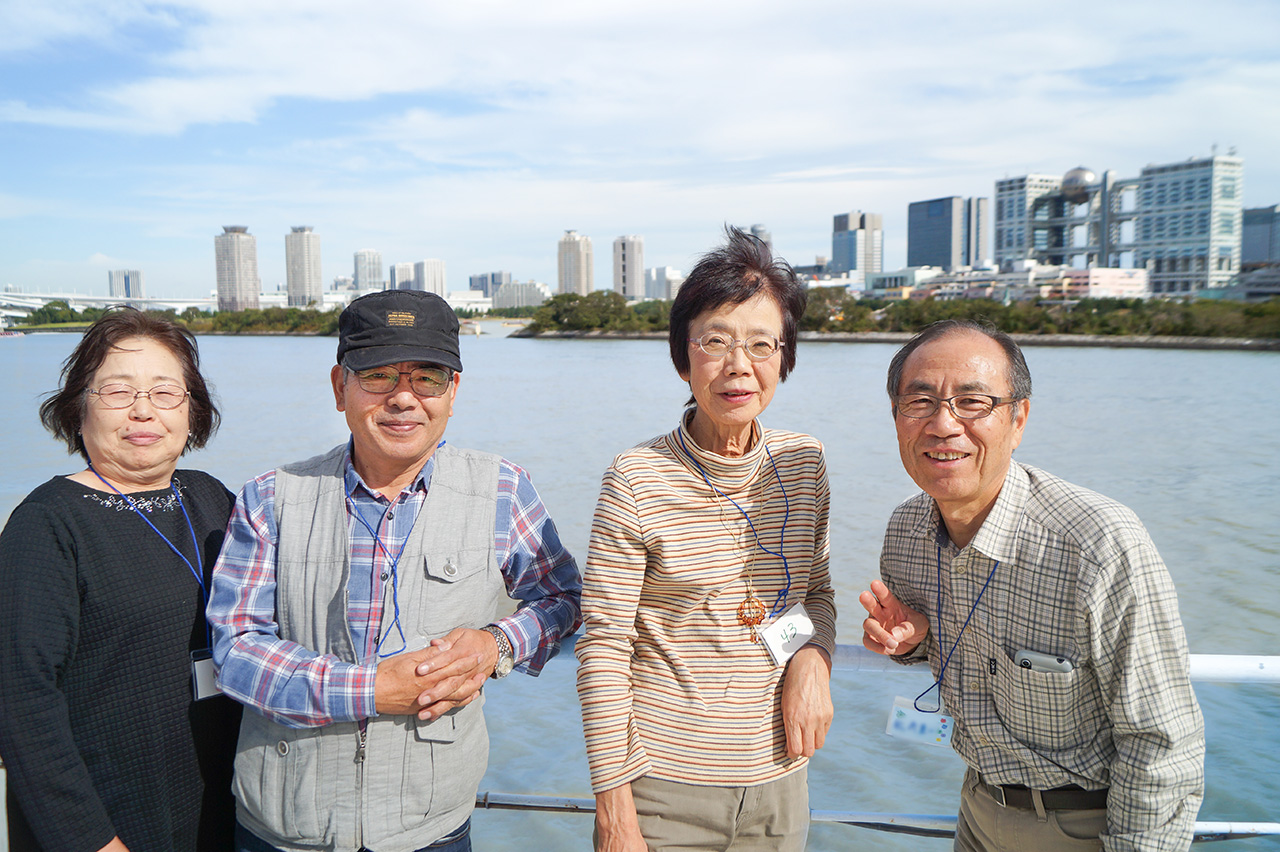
(727, 473)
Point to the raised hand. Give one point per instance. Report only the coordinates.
(891, 627)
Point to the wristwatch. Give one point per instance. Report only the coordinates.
(506, 656)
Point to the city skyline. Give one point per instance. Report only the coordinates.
(478, 136)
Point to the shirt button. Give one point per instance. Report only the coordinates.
(384, 575)
(390, 515)
(973, 685)
(450, 570)
(282, 748)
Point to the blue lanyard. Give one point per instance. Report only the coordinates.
(781, 600)
(937, 684)
(395, 578)
(197, 570)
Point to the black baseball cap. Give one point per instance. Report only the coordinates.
(398, 325)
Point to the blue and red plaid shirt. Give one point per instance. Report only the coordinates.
(298, 687)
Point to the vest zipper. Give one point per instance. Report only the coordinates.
(360, 749)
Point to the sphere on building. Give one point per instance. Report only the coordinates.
(1077, 184)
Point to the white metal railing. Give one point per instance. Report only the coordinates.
(1205, 668)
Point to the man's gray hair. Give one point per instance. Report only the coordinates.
(1018, 374)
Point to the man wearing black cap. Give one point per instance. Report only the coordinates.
(354, 606)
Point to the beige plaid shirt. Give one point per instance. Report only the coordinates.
(1078, 577)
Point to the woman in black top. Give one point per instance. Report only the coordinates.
(102, 595)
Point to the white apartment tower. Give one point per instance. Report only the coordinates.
(575, 264)
(126, 284)
(628, 267)
(428, 276)
(401, 276)
(662, 282)
(368, 270)
(857, 243)
(236, 252)
(302, 268)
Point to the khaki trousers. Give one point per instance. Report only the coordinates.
(770, 817)
(986, 826)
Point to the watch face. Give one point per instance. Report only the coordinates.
(504, 666)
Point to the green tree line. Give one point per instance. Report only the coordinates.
(832, 309)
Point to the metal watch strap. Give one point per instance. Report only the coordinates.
(506, 654)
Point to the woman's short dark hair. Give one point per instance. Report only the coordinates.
(734, 273)
(63, 412)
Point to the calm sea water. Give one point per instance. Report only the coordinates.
(1184, 438)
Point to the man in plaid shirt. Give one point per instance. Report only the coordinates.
(356, 604)
(1046, 614)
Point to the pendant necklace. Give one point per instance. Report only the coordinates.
(752, 611)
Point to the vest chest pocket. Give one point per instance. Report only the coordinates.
(455, 589)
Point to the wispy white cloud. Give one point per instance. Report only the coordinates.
(480, 130)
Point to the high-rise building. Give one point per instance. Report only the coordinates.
(401, 276)
(236, 252)
(519, 294)
(428, 276)
(489, 282)
(662, 282)
(857, 243)
(1261, 242)
(302, 267)
(368, 270)
(575, 264)
(1015, 200)
(126, 284)
(1189, 223)
(1182, 222)
(762, 233)
(628, 267)
(947, 232)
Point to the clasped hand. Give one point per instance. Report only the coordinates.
(433, 680)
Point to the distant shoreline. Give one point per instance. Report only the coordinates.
(1116, 341)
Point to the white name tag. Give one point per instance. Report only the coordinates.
(788, 633)
(908, 723)
(204, 677)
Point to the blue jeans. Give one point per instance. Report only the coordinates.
(458, 840)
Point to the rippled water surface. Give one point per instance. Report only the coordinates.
(1187, 439)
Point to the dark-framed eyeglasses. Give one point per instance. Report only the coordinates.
(965, 406)
(119, 395)
(423, 381)
(758, 347)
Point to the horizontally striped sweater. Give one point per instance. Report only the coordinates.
(671, 684)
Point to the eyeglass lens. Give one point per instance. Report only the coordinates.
(965, 406)
(757, 347)
(123, 396)
(426, 381)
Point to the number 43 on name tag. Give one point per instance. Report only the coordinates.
(787, 634)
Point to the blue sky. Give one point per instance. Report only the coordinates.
(478, 132)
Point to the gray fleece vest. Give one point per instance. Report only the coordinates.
(303, 788)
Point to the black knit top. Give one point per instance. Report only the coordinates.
(99, 731)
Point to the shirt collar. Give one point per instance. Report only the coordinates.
(996, 538)
(354, 484)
